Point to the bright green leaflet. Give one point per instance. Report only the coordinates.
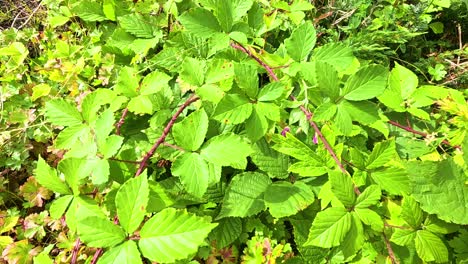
(227, 150)
(171, 235)
(99, 232)
(126, 253)
(48, 177)
(285, 199)
(329, 228)
(190, 132)
(446, 197)
(301, 42)
(342, 187)
(131, 201)
(193, 172)
(244, 196)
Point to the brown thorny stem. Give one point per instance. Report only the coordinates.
(307, 113)
(144, 162)
(411, 130)
(167, 129)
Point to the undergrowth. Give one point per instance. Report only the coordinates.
(233, 131)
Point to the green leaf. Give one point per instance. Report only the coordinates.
(343, 120)
(270, 161)
(256, 126)
(403, 237)
(75, 170)
(367, 83)
(402, 83)
(131, 201)
(440, 188)
(329, 228)
(94, 101)
(200, 22)
(227, 150)
(342, 187)
(271, 91)
(354, 240)
(370, 196)
(137, 25)
(104, 126)
(100, 171)
(111, 146)
(325, 111)
(411, 212)
(89, 11)
(193, 71)
(191, 131)
(47, 177)
(126, 253)
(82, 207)
(370, 218)
(61, 113)
(337, 54)
(193, 172)
(154, 82)
(435, 225)
(141, 104)
(229, 11)
(293, 147)
(108, 8)
(171, 235)
(59, 205)
(244, 196)
(430, 247)
(233, 109)
(394, 180)
(308, 168)
(99, 232)
(71, 136)
(383, 152)
(223, 12)
(329, 82)
(246, 76)
(269, 110)
(301, 42)
(364, 112)
(227, 231)
(127, 82)
(286, 199)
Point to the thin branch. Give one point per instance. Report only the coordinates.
(121, 121)
(263, 64)
(391, 254)
(96, 256)
(75, 251)
(31, 15)
(460, 42)
(307, 113)
(416, 132)
(144, 161)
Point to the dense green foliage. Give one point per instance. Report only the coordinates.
(235, 131)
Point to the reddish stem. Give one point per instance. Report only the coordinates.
(96, 256)
(75, 251)
(121, 121)
(144, 161)
(391, 254)
(307, 113)
(420, 133)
